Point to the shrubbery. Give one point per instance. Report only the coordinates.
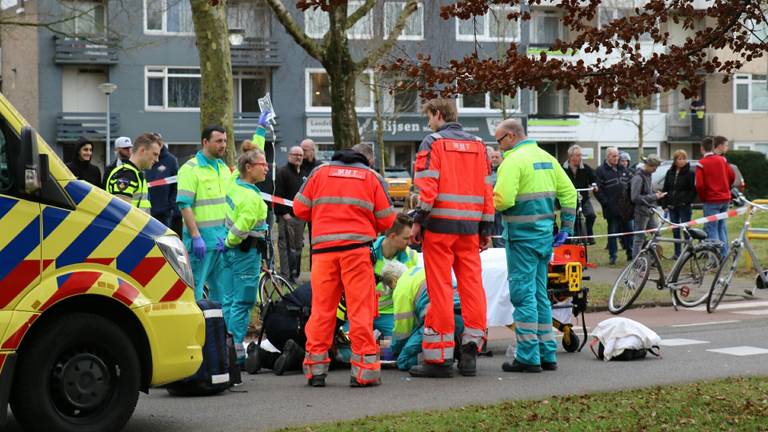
(754, 167)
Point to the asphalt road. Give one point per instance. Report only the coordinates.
(267, 401)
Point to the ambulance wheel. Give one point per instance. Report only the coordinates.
(570, 340)
(79, 372)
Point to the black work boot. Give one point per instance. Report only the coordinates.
(353, 382)
(290, 359)
(428, 370)
(516, 366)
(468, 359)
(316, 381)
(549, 366)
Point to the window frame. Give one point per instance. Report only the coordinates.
(487, 109)
(323, 109)
(164, 75)
(749, 81)
(78, 18)
(240, 74)
(164, 21)
(419, 11)
(614, 106)
(486, 35)
(352, 36)
(536, 15)
(614, 9)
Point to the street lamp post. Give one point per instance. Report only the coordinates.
(107, 88)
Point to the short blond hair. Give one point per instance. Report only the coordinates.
(443, 105)
(679, 154)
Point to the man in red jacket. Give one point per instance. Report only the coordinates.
(714, 177)
(347, 204)
(456, 212)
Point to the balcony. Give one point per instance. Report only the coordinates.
(554, 127)
(245, 124)
(684, 126)
(95, 50)
(72, 125)
(254, 53)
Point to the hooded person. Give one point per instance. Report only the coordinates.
(82, 167)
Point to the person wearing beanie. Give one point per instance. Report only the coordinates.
(625, 160)
(82, 167)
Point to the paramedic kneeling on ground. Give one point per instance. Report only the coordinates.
(529, 180)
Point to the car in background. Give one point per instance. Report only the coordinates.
(399, 183)
(657, 178)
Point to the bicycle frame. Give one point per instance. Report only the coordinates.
(742, 242)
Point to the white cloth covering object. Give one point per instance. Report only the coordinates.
(618, 334)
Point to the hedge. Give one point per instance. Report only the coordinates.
(754, 167)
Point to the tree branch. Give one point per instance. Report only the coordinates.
(359, 13)
(384, 47)
(293, 28)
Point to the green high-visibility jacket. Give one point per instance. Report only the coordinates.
(407, 257)
(411, 287)
(138, 189)
(528, 181)
(246, 213)
(202, 185)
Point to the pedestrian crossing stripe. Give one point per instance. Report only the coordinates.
(674, 342)
(740, 351)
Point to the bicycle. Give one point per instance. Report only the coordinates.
(272, 286)
(727, 269)
(686, 280)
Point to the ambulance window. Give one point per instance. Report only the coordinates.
(5, 174)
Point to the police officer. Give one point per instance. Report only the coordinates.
(127, 181)
(246, 223)
(455, 208)
(203, 183)
(347, 203)
(529, 180)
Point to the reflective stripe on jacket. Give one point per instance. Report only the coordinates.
(346, 203)
(411, 286)
(407, 257)
(140, 190)
(203, 185)
(528, 181)
(246, 213)
(453, 175)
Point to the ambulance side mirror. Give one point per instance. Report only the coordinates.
(28, 164)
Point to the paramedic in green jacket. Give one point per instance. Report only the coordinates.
(529, 180)
(203, 182)
(246, 224)
(393, 245)
(411, 302)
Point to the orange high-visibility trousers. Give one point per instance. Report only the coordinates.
(462, 253)
(350, 272)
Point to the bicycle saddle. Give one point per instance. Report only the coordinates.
(697, 234)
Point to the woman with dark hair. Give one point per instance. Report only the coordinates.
(679, 184)
(82, 167)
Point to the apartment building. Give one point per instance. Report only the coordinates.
(147, 48)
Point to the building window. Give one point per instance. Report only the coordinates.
(546, 28)
(414, 25)
(168, 17)
(750, 93)
(549, 100)
(318, 91)
(317, 23)
(484, 102)
(85, 18)
(648, 103)
(248, 86)
(491, 27)
(607, 14)
(253, 17)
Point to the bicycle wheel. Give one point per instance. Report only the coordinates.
(694, 276)
(273, 287)
(630, 283)
(722, 280)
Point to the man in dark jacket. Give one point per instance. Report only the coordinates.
(309, 161)
(679, 184)
(582, 177)
(612, 181)
(290, 241)
(163, 197)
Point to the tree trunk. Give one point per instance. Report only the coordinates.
(342, 74)
(378, 110)
(212, 33)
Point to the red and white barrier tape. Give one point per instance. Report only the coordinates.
(699, 221)
(267, 197)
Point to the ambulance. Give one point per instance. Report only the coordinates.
(95, 295)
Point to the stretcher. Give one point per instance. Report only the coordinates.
(567, 292)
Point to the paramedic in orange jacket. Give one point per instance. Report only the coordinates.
(454, 218)
(347, 204)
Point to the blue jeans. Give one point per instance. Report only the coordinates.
(679, 214)
(617, 224)
(717, 230)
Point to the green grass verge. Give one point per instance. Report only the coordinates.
(729, 404)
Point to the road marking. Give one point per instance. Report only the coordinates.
(735, 305)
(706, 323)
(681, 342)
(740, 350)
(754, 312)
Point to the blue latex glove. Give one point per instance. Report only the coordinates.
(560, 238)
(220, 246)
(198, 247)
(264, 118)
